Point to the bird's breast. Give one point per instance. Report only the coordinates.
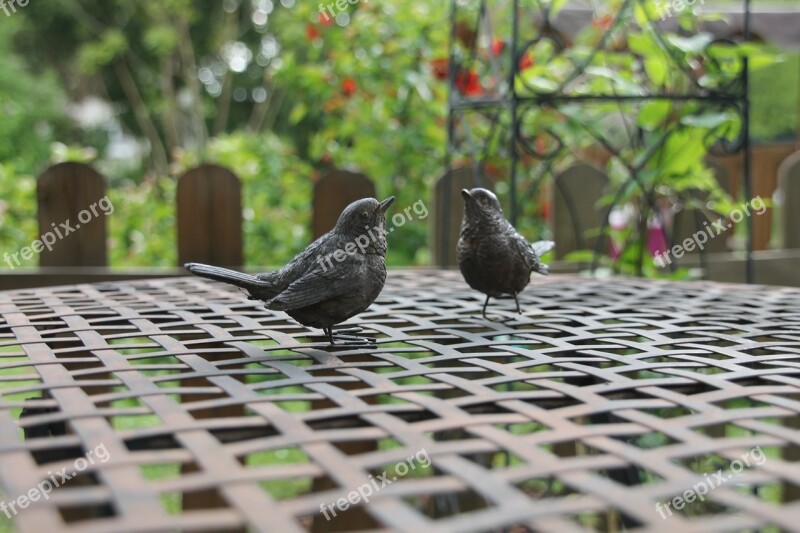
(491, 262)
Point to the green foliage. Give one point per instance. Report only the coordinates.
(376, 107)
(775, 97)
(277, 197)
(658, 147)
(94, 56)
(32, 105)
(309, 96)
(18, 225)
(142, 228)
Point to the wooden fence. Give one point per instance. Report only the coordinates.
(576, 216)
(209, 219)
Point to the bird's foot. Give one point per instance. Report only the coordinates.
(347, 338)
(346, 332)
(353, 341)
(499, 319)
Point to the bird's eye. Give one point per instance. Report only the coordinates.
(364, 215)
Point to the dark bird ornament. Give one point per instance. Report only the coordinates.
(493, 258)
(337, 277)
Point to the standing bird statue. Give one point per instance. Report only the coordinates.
(338, 276)
(493, 258)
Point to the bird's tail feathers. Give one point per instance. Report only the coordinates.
(542, 247)
(226, 275)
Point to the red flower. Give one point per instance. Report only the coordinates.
(526, 62)
(325, 19)
(544, 210)
(492, 170)
(440, 67)
(349, 86)
(602, 23)
(540, 144)
(468, 83)
(497, 47)
(311, 32)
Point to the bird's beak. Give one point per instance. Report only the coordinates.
(384, 205)
(467, 196)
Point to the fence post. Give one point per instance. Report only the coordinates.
(71, 216)
(789, 185)
(209, 205)
(332, 193)
(575, 210)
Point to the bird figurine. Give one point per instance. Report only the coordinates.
(337, 277)
(493, 258)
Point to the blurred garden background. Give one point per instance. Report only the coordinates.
(271, 89)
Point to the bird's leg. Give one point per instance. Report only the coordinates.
(484, 307)
(327, 332)
(499, 319)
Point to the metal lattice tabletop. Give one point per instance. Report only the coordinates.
(184, 406)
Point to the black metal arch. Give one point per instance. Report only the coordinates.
(510, 99)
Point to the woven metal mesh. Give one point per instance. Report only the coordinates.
(213, 413)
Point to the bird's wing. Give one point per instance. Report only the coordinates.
(301, 263)
(319, 285)
(521, 248)
(534, 252)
